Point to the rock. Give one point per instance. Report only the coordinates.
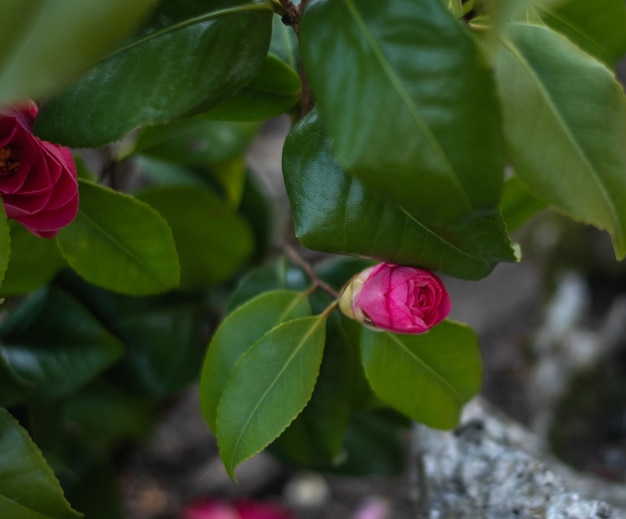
(491, 468)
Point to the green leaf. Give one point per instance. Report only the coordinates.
(165, 346)
(191, 56)
(196, 141)
(255, 207)
(372, 447)
(456, 8)
(334, 212)
(517, 204)
(272, 92)
(160, 172)
(575, 157)
(28, 488)
(91, 481)
(284, 43)
(5, 243)
(502, 13)
(426, 377)
(52, 342)
(277, 275)
(227, 178)
(148, 327)
(213, 241)
(269, 386)
(316, 436)
(410, 103)
(13, 388)
(120, 243)
(33, 262)
(237, 333)
(596, 27)
(44, 43)
(108, 413)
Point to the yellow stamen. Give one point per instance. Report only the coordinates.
(9, 164)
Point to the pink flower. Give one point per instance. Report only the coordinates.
(396, 298)
(214, 509)
(38, 183)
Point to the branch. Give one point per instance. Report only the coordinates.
(292, 15)
(308, 269)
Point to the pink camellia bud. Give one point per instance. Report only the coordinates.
(396, 298)
(38, 183)
(216, 509)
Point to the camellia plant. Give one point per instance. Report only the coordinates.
(423, 133)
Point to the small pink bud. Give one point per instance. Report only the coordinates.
(396, 298)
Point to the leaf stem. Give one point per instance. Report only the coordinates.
(279, 9)
(308, 269)
(330, 308)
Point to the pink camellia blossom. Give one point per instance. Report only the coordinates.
(38, 183)
(216, 509)
(396, 298)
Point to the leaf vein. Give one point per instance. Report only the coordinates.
(271, 386)
(510, 46)
(411, 106)
(436, 375)
(116, 242)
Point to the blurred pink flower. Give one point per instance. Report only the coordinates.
(396, 298)
(216, 509)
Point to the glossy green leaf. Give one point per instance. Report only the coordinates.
(196, 141)
(372, 447)
(426, 377)
(227, 178)
(565, 120)
(237, 333)
(284, 43)
(160, 172)
(33, 262)
(410, 103)
(213, 241)
(269, 386)
(149, 327)
(165, 347)
(108, 413)
(316, 436)
(191, 56)
(255, 206)
(120, 243)
(596, 27)
(334, 212)
(273, 91)
(5, 243)
(517, 204)
(281, 274)
(502, 13)
(28, 487)
(44, 43)
(13, 388)
(52, 342)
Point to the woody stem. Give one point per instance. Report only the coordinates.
(308, 269)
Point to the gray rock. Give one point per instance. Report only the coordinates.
(492, 468)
